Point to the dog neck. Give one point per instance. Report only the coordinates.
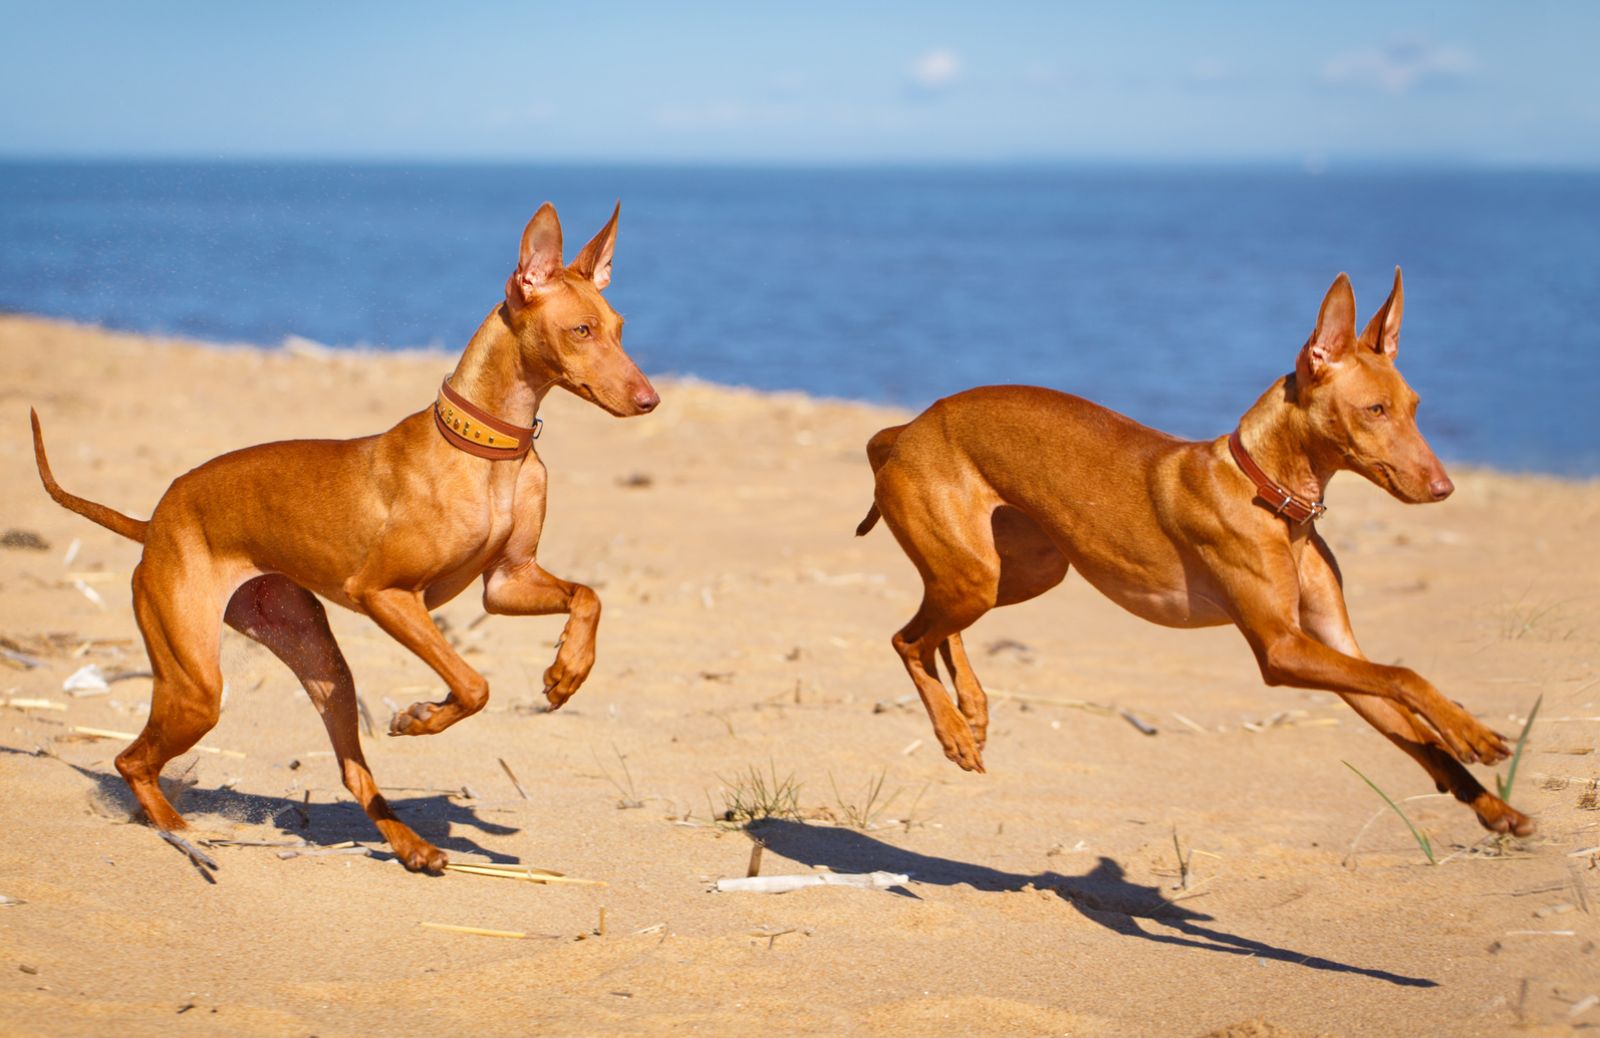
(1280, 440)
(493, 375)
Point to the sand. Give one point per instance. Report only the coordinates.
(746, 636)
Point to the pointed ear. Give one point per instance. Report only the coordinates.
(594, 262)
(541, 256)
(1335, 334)
(1383, 331)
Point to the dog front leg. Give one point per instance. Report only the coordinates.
(526, 589)
(1288, 656)
(1263, 594)
(1324, 617)
(403, 615)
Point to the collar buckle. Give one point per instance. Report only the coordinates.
(1279, 499)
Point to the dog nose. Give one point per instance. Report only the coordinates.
(1441, 488)
(646, 399)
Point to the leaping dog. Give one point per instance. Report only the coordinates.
(993, 493)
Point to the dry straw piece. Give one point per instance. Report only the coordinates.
(516, 935)
(522, 872)
(107, 733)
(19, 703)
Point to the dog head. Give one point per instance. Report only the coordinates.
(1362, 414)
(568, 333)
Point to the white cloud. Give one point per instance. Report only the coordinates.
(936, 70)
(1400, 65)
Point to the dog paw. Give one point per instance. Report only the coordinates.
(566, 675)
(423, 857)
(413, 720)
(962, 748)
(1497, 816)
(1482, 744)
(1469, 740)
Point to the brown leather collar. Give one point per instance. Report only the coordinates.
(478, 432)
(1271, 493)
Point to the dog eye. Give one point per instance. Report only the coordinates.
(1376, 410)
(581, 331)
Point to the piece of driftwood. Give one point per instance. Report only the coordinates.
(784, 884)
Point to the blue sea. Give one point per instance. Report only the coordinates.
(1172, 294)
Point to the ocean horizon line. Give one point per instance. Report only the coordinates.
(1311, 165)
(302, 346)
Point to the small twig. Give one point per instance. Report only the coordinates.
(107, 733)
(32, 704)
(1183, 863)
(1578, 887)
(21, 659)
(754, 868)
(773, 935)
(1146, 729)
(297, 841)
(523, 872)
(325, 852)
(203, 862)
(366, 716)
(513, 777)
(479, 931)
(1024, 697)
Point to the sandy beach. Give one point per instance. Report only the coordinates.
(1224, 875)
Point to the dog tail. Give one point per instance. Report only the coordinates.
(111, 519)
(878, 450)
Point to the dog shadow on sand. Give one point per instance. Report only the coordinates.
(436, 816)
(1104, 895)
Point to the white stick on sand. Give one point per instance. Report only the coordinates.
(784, 884)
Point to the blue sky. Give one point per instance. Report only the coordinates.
(1470, 81)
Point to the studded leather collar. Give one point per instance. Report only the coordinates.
(479, 433)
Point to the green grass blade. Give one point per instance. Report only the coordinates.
(1505, 787)
(1422, 841)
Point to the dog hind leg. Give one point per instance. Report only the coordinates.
(292, 623)
(177, 614)
(954, 552)
(1030, 565)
